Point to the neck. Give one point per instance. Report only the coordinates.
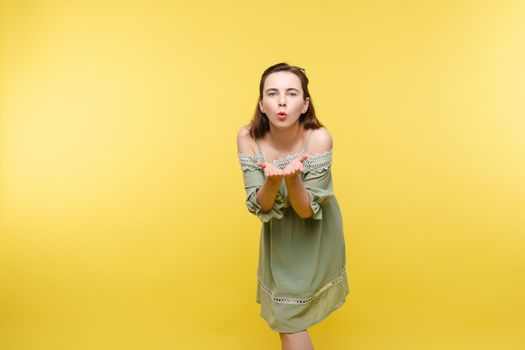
(284, 140)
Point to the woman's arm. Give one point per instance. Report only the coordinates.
(298, 196)
(266, 194)
(321, 141)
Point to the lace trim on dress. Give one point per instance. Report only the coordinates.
(282, 162)
(249, 163)
(314, 163)
(318, 162)
(300, 301)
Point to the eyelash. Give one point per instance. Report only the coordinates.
(273, 93)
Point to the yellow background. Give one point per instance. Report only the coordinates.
(123, 222)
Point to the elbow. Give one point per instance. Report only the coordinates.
(307, 215)
(265, 210)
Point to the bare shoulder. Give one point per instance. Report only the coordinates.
(320, 141)
(245, 143)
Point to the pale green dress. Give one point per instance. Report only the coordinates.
(301, 274)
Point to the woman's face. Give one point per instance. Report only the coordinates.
(282, 93)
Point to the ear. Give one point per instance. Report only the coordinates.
(260, 106)
(306, 104)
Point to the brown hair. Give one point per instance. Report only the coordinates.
(260, 125)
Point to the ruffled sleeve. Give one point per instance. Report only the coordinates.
(317, 179)
(253, 177)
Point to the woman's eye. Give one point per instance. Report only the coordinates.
(273, 93)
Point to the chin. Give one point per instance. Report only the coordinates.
(281, 125)
(286, 122)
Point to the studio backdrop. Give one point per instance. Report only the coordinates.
(123, 222)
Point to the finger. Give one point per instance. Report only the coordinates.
(303, 158)
(262, 164)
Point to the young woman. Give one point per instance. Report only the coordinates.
(286, 156)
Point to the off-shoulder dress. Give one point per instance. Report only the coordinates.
(301, 273)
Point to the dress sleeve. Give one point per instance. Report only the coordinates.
(317, 179)
(253, 177)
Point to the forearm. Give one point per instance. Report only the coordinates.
(267, 193)
(298, 196)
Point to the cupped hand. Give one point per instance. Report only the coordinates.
(294, 167)
(271, 171)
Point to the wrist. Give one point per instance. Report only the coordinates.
(292, 179)
(274, 180)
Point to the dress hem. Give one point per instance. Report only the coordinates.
(310, 324)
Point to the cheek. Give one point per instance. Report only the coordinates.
(298, 105)
(265, 102)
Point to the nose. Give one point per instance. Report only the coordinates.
(282, 101)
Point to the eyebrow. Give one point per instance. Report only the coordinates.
(278, 90)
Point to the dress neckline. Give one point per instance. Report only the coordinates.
(294, 155)
(286, 157)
